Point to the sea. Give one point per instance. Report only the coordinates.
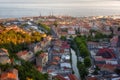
(76, 9)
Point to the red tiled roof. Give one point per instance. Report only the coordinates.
(100, 58)
(22, 53)
(65, 45)
(107, 66)
(54, 63)
(59, 77)
(114, 39)
(8, 76)
(5, 50)
(92, 78)
(56, 58)
(49, 71)
(72, 77)
(42, 55)
(106, 53)
(39, 68)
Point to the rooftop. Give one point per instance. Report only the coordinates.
(72, 77)
(106, 53)
(59, 77)
(21, 53)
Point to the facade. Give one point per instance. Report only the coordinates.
(71, 31)
(26, 55)
(42, 59)
(114, 41)
(37, 48)
(10, 75)
(4, 56)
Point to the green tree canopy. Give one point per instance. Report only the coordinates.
(87, 62)
(63, 38)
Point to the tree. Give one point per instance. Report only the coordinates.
(83, 71)
(63, 38)
(96, 70)
(87, 62)
(45, 27)
(55, 23)
(71, 37)
(15, 41)
(92, 31)
(27, 70)
(82, 46)
(83, 50)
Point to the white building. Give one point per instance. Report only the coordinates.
(65, 65)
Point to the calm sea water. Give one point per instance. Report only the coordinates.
(78, 8)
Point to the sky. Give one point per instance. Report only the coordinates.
(66, 2)
(74, 7)
(57, 1)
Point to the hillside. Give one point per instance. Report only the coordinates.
(15, 39)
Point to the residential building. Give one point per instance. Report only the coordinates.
(42, 59)
(10, 75)
(35, 47)
(72, 77)
(71, 31)
(114, 41)
(4, 56)
(59, 77)
(106, 53)
(26, 55)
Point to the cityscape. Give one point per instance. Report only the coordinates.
(56, 46)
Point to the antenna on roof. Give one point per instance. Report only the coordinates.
(52, 13)
(40, 14)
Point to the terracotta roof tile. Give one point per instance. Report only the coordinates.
(60, 77)
(8, 76)
(72, 77)
(92, 78)
(21, 53)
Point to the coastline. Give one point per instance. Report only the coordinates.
(29, 17)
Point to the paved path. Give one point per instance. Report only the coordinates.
(74, 64)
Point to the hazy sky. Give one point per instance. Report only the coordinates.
(71, 7)
(67, 2)
(56, 1)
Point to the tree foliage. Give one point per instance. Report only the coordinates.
(28, 70)
(87, 62)
(84, 52)
(45, 27)
(63, 38)
(82, 46)
(15, 41)
(83, 70)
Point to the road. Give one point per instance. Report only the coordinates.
(53, 33)
(74, 64)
